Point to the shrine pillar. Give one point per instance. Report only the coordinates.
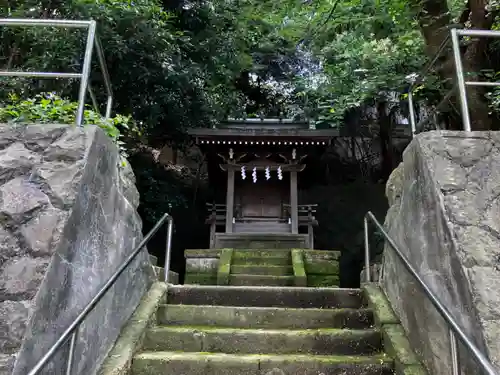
(230, 200)
(294, 202)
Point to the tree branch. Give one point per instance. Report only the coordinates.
(464, 17)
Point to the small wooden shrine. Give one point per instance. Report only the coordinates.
(255, 166)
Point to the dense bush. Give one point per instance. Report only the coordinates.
(49, 108)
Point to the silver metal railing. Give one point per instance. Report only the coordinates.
(71, 333)
(456, 332)
(84, 76)
(461, 82)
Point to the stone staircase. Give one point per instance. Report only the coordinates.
(255, 330)
(261, 267)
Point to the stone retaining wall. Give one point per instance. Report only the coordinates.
(444, 215)
(67, 220)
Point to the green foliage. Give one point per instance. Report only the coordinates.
(170, 68)
(48, 108)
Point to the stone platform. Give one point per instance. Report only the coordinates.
(271, 267)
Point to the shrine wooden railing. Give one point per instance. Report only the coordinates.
(217, 217)
(307, 218)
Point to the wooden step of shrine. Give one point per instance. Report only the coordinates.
(262, 227)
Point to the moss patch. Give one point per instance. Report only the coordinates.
(278, 253)
(299, 271)
(322, 280)
(383, 312)
(224, 267)
(322, 267)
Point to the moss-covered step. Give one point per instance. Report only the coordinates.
(293, 297)
(261, 261)
(253, 269)
(262, 253)
(264, 317)
(175, 363)
(324, 341)
(263, 280)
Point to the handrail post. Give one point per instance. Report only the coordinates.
(367, 251)
(168, 251)
(460, 80)
(87, 60)
(105, 73)
(84, 76)
(455, 363)
(71, 354)
(413, 122)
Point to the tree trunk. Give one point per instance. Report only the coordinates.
(435, 23)
(384, 123)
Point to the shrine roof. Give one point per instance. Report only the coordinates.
(263, 128)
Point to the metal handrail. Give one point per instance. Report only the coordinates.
(72, 330)
(454, 329)
(84, 76)
(461, 83)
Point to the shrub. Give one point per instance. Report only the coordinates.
(49, 108)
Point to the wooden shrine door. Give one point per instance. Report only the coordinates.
(263, 199)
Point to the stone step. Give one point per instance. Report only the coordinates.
(175, 363)
(257, 341)
(270, 261)
(263, 317)
(294, 297)
(262, 270)
(263, 280)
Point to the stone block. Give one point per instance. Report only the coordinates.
(209, 265)
(322, 267)
(444, 219)
(68, 220)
